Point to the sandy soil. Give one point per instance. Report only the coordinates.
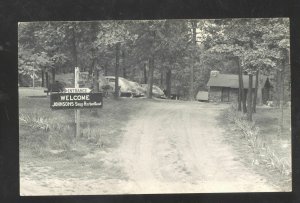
(169, 147)
(175, 147)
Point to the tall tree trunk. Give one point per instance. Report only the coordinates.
(74, 49)
(53, 75)
(43, 77)
(105, 69)
(242, 90)
(281, 99)
(145, 74)
(259, 91)
(93, 49)
(161, 78)
(244, 100)
(47, 79)
(95, 84)
(192, 83)
(95, 78)
(278, 89)
(124, 72)
(240, 98)
(168, 83)
(150, 77)
(33, 79)
(117, 89)
(123, 65)
(250, 90)
(92, 68)
(194, 36)
(255, 91)
(282, 74)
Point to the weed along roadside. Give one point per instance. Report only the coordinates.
(258, 144)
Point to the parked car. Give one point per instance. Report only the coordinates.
(127, 88)
(136, 88)
(156, 91)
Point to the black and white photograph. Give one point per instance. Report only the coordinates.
(167, 106)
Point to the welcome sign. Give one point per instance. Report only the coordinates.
(76, 100)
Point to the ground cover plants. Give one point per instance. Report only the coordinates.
(49, 135)
(259, 143)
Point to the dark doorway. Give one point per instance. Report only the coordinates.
(225, 94)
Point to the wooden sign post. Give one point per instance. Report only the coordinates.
(76, 98)
(77, 111)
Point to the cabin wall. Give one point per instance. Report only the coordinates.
(215, 94)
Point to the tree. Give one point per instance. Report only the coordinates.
(172, 53)
(245, 38)
(256, 91)
(276, 38)
(30, 58)
(194, 42)
(175, 55)
(113, 33)
(148, 38)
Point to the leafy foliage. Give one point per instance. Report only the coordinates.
(259, 44)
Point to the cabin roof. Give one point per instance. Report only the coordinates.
(232, 81)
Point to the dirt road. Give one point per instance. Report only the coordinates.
(178, 147)
(168, 147)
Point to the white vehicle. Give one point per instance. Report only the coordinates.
(156, 91)
(127, 88)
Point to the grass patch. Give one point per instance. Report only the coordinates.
(55, 129)
(267, 121)
(260, 144)
(47, 136)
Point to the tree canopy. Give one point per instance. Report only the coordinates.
(181, 53)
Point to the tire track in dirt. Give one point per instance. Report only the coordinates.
(174, 147)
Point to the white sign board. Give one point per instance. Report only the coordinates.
(77, 90)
